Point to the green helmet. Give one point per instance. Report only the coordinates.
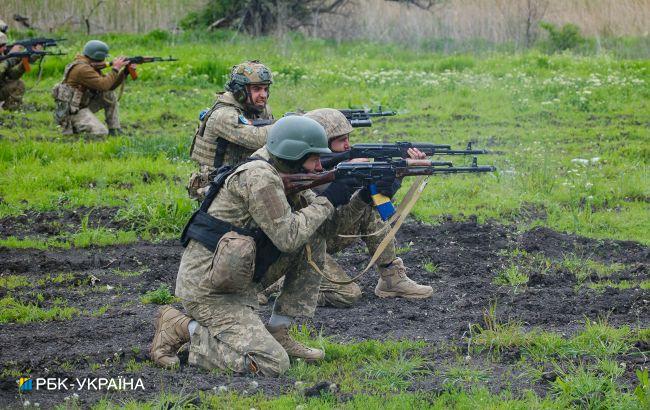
(293, 137)
(334, 122)
(3, 39)
(96, 50)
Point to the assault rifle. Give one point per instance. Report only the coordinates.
(357, 117)
(135, 60)
(385, 152)
(369, 173)
(363, 117)
(26, 55)
(29, 43)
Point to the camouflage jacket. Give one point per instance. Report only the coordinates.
(11, 69)
(253, 196)
(83, 76)
(227, 122)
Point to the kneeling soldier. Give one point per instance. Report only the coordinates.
(85, 90)
(247, 234)
(358, 219)
(12, 88)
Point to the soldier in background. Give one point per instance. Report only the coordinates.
(85, 90)
(226, 135)
(12, 88)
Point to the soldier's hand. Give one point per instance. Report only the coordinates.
(415, 153)
(119, 62)
(16, 49)
(38, 47)
(360, 160)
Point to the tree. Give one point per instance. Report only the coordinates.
(260, 17)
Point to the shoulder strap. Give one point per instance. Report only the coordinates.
(69, 68)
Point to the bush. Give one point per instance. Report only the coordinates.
(568, 37)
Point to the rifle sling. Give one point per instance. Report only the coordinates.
(403, 211)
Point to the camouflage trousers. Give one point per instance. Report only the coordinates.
(355, 218)
(352, 219)
(85, 120)
(11, 94)
(232, 337)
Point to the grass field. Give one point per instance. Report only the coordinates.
(569, 135)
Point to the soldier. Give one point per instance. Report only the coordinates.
(226, 134)
(85, 90)
(363, 221)
(12, 88)
(218, 287)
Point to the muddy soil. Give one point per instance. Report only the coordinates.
(35, 224)
(109, 337)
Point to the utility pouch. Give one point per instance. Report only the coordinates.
(233, 263)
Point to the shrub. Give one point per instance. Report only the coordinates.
(565, 38)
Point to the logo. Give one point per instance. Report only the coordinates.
(24, 384)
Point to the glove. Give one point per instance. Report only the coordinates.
(387, 186)
(340, 191)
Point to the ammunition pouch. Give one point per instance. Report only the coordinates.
(69, 100)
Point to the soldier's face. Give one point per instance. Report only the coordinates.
(312, 164)
(259, 94)
(3, 48)
(340, 144)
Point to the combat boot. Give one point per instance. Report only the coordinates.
(294, 348)
(394, 283)
(170, 334)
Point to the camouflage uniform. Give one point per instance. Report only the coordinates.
(83, 92)
(12, 87)
(355, 218)
(217, 288)
(226, 124)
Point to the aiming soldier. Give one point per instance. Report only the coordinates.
(12, 88)
(227, 258)
(360, 220)
(85, 90)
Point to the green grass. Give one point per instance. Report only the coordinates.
(570, 131)
(13, 281)
(160, 296)
(15, 311)
(511, 276)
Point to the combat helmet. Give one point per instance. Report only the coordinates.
(294, 137)
(334, 122)
(96, 50)
(247, 73)
(3, 39)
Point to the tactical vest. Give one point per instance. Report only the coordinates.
(208, 230)
(212, 152)
(70, 98)
(208, 152)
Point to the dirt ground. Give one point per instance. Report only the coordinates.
(467, 256)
